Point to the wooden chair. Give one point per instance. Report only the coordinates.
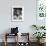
(27, 43)
(7, 34)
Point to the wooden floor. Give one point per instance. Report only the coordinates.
(13, 44)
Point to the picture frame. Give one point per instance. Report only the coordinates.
(17, 13)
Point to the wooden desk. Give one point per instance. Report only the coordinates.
(8, 34)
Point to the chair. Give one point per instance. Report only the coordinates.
(14, 32)
(26, 41)
(7, 35)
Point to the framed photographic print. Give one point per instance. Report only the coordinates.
(17, 13)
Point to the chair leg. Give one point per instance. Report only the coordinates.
(5, 40)
(5, 43)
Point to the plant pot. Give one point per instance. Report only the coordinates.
(40, 40)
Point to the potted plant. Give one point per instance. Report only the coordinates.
(39, 35)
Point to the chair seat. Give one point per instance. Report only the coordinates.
(9, 34)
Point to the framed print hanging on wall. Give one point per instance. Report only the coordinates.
(17, 13)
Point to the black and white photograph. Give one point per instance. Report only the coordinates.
(17, 14)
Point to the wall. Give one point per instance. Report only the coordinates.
(29, 15)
